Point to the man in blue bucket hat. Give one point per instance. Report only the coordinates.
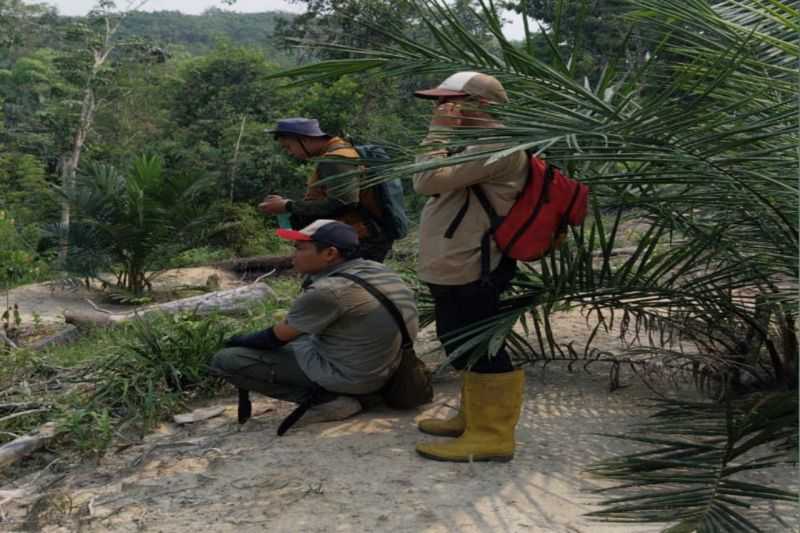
(340, 198)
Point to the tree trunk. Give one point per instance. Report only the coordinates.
(85, 122)
(235, 161)
(70, 165)
(229, 301)
(257, 263)
(21, 447)
(5, 341)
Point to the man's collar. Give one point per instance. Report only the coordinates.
(311, 278)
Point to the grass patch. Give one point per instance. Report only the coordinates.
(202, 256)
(126, 379)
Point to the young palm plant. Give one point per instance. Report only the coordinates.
(129, 223)
(697, 139)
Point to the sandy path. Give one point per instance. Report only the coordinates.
(360, 475)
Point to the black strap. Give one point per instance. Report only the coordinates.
(386, 302)
(548, 179)
(451, 229)
(299, 411)
(562, 225)
(494, 218)
(486, 240)
(245, 408)
(486, 254)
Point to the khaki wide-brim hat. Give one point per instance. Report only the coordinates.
(466, 83)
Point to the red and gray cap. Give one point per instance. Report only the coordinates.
(466, 83)
(332, 232)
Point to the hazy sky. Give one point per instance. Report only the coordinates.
(81, 7)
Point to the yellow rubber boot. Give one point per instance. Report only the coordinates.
(492, 404)
(450, 427)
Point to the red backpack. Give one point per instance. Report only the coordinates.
(537, 222)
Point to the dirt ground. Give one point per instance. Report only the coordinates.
(357, 475)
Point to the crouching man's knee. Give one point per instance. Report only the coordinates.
(223, 362)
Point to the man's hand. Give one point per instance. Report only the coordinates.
(447, 115)
(235, 340)
(273, 205)
(285, 332)
(268, 339)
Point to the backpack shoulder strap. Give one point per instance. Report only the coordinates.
(336, 147)
(386, 302)
(339, 150)
(480, 194)
(456, 222)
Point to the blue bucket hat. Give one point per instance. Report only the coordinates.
(306, 127)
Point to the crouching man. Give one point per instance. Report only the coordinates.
(338, 341)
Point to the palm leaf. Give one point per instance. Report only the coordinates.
(695, 455)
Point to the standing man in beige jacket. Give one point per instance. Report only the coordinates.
(465, 280)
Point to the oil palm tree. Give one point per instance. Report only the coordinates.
(699, 139)
(130, 223)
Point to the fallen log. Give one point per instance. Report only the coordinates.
(198, 415)
(5, 341)
(227, 302)
(628, 250)
(258, 263)
(18, 406)
(24, 413)
(68, 334)
(21, 447)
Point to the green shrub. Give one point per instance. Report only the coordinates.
(19, 262)
(129, 223)
(91, 432)
(127, 378)
(244, 231)
(204, 255)
(162, 363)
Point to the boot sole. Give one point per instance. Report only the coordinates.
(480, 459)
(441, 433)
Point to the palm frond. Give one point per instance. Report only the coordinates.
(695, 454)
(129, 223)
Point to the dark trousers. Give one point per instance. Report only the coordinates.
(274, 373)
(458, 306)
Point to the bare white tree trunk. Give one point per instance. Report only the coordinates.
(70, 164)
(235, 162)
(89, 105)
(229, 301)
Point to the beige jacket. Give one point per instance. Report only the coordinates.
(457, 261)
